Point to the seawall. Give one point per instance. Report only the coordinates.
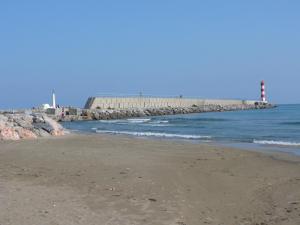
(147, 102)
(107, 114)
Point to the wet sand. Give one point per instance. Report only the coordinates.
(110, 180)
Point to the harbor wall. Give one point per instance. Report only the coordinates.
(144, 102)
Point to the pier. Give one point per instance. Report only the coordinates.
(151, 102)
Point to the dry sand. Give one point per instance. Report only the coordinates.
(109, 180)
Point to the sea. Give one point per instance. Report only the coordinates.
(276, 129)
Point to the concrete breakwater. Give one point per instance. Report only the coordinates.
(107, 114)
(151, 102)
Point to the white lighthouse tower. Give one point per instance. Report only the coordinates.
(53, 100)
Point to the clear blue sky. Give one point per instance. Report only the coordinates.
(212, 49)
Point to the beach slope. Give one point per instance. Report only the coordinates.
(102, 179)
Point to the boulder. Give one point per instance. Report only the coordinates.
(25, 133)
(54, 128)
(24, 126)
(8, 133)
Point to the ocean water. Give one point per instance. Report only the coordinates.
(271, 129)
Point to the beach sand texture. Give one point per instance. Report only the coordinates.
(110, 180)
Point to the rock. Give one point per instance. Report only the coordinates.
(41, 132)
(3, 118)
(108, 114)
(8, 133)
(24, 121)
(25, 133)
(55, 128)
(24, 126)
(38, 119)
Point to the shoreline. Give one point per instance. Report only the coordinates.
(91, 179)
(280, 151)
(247, 146)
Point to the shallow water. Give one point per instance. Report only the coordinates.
(278, 127)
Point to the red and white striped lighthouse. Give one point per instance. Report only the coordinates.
(263, 93)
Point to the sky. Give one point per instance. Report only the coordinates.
(207, 49)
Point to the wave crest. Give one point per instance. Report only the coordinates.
(155, 134)
(160, 121)
(138, 120)
(271, 142)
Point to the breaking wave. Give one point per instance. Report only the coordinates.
(156, 125)
(111, 121)
(155, 134)
(138, 120)
(281, 143)
(160, 121)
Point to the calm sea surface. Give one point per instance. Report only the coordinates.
(272, 129)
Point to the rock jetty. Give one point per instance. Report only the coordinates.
(28, 126)
(109, 114)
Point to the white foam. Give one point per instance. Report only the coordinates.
(160, 121)
(111, 121)
(135, 120)
(138, 120)
(73, 130)
(156, 125)
(271, 142)
(154, 134)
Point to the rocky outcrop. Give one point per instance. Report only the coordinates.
(25, 126)
(107, 114)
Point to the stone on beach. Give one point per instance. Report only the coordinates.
(57, 129)
(25, 133)
(8, 133)
(24, 126)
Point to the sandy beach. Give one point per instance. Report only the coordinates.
(110, 180)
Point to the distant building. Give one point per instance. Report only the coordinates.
(45, 106)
